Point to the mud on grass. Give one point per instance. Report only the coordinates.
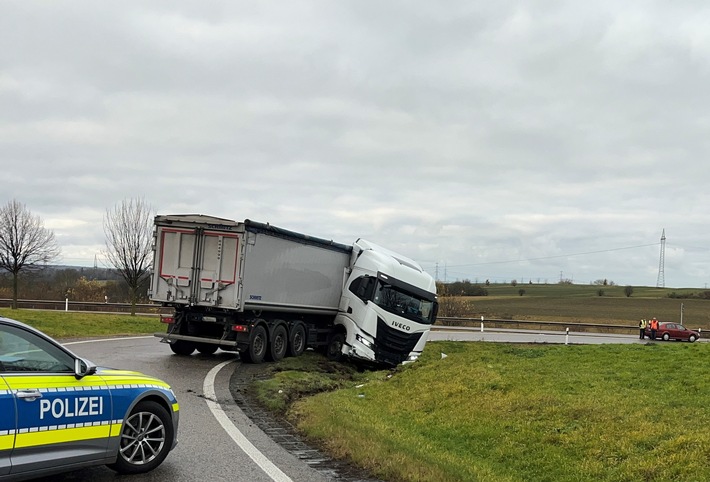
(283, 383)
(255, 389)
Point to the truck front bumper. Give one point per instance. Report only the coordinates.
(364, 350)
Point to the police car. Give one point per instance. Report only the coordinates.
(60, 412)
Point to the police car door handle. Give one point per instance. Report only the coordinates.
(29, 395)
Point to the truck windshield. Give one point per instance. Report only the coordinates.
(402, 303)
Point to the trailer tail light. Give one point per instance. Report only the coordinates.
(240, 328)
(167, 319)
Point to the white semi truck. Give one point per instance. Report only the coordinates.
(267, 292)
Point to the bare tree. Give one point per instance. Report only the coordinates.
(129, 238)
(25, 243)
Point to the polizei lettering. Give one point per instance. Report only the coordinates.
(71, 407)
(401, 326)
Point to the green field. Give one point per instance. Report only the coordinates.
(582, 304)
(575, 290)
(61, 324)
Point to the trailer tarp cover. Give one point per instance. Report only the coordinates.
(257, 227)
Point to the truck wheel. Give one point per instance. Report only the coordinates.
(182, 347)
(297, 343)
(335, 346)
(206, 348)
(146, 438)
(257, 346)
(279, 343)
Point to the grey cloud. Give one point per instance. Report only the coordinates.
(501, 139)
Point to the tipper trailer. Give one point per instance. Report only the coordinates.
(267, 292)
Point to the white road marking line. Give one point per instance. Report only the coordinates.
(208, 388)
(260, 459)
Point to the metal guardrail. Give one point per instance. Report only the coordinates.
(90, 306)
(536, 324)
(156, 309)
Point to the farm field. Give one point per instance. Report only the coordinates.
(581, 304)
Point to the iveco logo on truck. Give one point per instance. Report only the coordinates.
(401, 326)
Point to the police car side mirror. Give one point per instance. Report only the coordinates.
(83, 368)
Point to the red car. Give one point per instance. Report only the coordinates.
(675, 331)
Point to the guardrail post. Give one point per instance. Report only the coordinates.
(567, 337)
(481, 324)
(66, 304)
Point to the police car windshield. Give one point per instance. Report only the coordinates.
(23, 351)
(403, 303)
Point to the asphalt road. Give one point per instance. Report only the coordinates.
(234, 449)
(442, 333)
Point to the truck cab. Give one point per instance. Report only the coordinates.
(387, 307)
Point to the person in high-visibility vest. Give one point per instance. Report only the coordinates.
(654, 327)
(642, 329)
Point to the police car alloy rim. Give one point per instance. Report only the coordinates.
(142, 438)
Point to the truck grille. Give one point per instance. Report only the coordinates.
(393, 346)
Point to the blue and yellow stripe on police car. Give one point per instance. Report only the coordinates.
(66, 409)
(7, 421)
(7, 439)
(71, 410)
(54, 434)
(129, 380)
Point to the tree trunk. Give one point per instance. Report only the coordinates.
(14, 291)
(133, 301)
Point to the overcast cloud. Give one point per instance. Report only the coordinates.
(487, 140)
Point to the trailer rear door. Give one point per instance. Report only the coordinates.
(197, 266)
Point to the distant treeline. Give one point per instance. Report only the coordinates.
(703, 295)
(75, 283)
(461, 288)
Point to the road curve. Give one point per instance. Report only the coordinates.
(225, 446)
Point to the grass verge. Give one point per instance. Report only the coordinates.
(498, 412)
(61, 324)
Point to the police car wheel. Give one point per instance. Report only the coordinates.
(146, 438)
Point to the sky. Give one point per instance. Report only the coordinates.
(533, 140)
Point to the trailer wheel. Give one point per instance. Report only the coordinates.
(297, 343)
(207, 348)
(335, 346)
(182, 347)
(279, 343)
(257, 346)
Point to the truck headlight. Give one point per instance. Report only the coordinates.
(365, 342)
